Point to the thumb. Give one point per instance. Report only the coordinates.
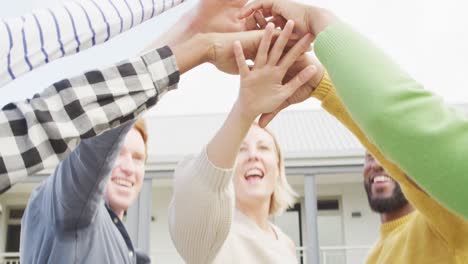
(300, 79)
(266, 118)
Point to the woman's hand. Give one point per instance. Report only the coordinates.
(261, 89)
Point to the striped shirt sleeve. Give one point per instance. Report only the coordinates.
(43, 35)
(39, 132)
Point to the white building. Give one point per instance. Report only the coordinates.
(323, 162)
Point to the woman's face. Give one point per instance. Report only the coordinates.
(257, 171)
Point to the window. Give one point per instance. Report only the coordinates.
(328, 205)
(13, 229)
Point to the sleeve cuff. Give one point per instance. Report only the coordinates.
(162, 65)
(324, 87)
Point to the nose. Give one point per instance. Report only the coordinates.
(376, 165)
(372, 165)
(126, 164)
(253, 154)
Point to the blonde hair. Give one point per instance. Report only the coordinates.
(140, 127)
(283, 196)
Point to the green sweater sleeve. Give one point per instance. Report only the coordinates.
(411, 126)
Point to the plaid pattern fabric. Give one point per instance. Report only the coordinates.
(41, 131)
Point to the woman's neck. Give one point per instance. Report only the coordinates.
(258, 213)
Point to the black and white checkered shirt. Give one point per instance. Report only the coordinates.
(41, 131)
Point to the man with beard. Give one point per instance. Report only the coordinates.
(422, 232)
(436, 230)
(384, 194)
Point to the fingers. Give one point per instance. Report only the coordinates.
(240, 59)
(266, 118)
(279, 21)
(260, 19)
(296, 51)
(280, 43)
(301, 78)
(254, 6)
(264, 47)
(251, 23)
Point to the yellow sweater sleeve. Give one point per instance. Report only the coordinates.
(451, 227)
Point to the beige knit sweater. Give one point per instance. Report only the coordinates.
(205, 227)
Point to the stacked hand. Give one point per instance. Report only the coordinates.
(221, 52)
(304, 92)
(231, 16)
(308, 19)
(262, 89)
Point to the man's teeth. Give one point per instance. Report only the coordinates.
(123, 182)
(381, 178)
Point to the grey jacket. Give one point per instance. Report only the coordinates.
(67, 220)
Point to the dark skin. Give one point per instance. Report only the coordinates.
(385, 194)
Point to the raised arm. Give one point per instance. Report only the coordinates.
(452, 227)
(38, 132)
(414, 128)
(75, 190)
(201, 210)
(44, 35)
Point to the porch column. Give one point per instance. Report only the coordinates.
(310, 197)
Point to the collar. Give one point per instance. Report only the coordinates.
(120, 226)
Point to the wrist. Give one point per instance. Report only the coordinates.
(204, 46)
(244, 114)
(191, 53)
(318, 19)
(209, 42)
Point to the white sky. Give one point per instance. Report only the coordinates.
(428, 38)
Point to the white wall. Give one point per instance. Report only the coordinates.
(161, 246)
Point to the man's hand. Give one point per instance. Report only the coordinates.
(207, 16)
(216, 48)
(221, 52)
(308, 19)
(218, 16)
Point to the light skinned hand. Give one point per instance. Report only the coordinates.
(308, 19)
(304, 92)
(261, 89)
(221, 52)
(219, 16)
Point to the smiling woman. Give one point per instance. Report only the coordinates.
(260, 175)
(223, 198)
